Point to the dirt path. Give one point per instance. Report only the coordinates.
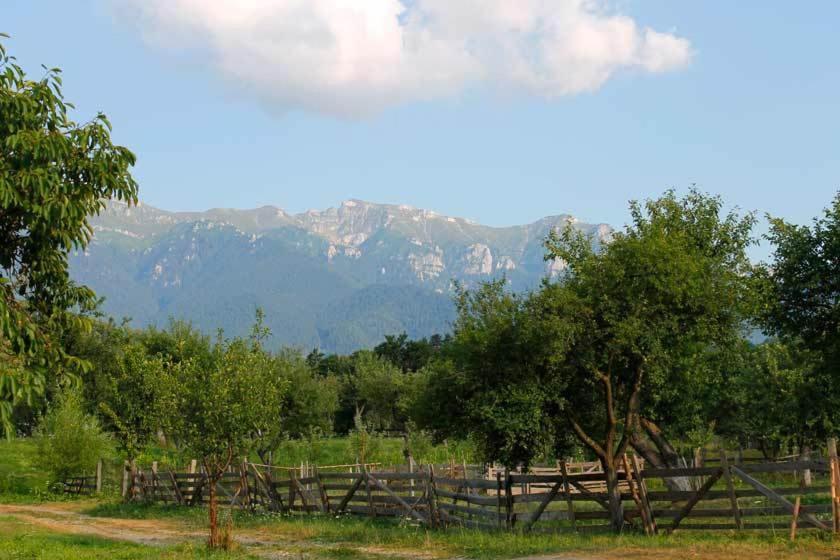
(266, 543)
(66, 518)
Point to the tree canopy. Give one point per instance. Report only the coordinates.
(54, 174)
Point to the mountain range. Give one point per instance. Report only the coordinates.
(338, 279)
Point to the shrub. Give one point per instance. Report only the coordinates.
(70, 441)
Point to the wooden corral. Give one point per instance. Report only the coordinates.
(746, 496)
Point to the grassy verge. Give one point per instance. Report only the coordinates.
(22, 541)
(353, 536)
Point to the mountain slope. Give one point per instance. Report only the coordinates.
(339, 279)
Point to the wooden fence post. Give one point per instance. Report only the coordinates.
(431, 498)
(99, 476)
(805, 455)
(833, 467)
(642, 485)
(371, 506)
(325, 499)
(154, 480)
(508, 499)
(124, 486)
(568, 491)
(795, 518)
(730, 489)
(499, 499)
(191, 470)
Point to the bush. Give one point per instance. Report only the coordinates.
(70, 441)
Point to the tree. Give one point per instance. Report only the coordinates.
(409, 355)
(606, 347)
(802, 308)
(71, 441)
(669, 290)
(379, 387)
(130, 399)
(776, 401)
(219, 411)
(54, 173)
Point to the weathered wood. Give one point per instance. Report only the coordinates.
(368, 492)
(795, 517)
(410, 510)
(730, 490)
(481, 512)
(567, 490)
(642, 485)
(99, 465)
(746, 512)
(679, 472)
(325, 498)
(835, 491)
(499, 500)
(473, 483)
(347, 497)
(636, 499)
(776, 497)
(541, 508)
(696, 498)
(681, 496)
(469, 498)
(509, 519)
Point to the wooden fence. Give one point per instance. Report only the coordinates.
(746, 496)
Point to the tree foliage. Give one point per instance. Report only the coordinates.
(71, 441)
(221, 410)
(54, 174)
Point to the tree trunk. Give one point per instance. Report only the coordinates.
(614, 496)
(213, 508)
(658, 452)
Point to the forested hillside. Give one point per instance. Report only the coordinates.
(338, 280)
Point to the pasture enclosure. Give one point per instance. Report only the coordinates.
(736, 496)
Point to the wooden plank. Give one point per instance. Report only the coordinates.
(478, 483)
(636, 499)
(745, 512)
(834, 466)
(776, 497)
(410, 510)
(679, 472)
(696, 498)
(643, 492)
(469, 498)
(795, 517)
(788, 466)
(730, 490)
(681, 496)
(569, 503)
(602, 501)
(347, 497)
(480, 512)
(541, 508)
(326, 475)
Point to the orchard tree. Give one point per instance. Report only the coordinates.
(802, 285)
(663, 294)
(54, 174)
(219, 411)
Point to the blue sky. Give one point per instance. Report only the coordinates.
(753, 115)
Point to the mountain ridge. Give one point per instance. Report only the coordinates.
(308, 271)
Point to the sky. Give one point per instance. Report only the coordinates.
(501, 111)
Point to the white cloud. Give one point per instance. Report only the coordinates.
(353, 57)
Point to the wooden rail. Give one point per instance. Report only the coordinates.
(738, 497)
